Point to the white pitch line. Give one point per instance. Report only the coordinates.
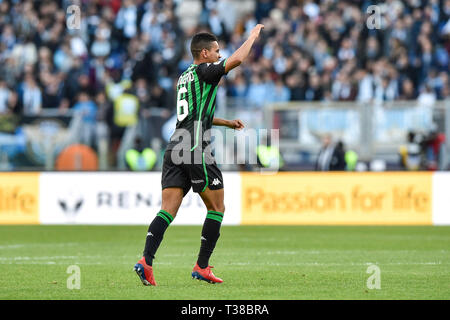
(37, 261)
(32, 245)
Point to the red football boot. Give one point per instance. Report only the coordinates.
(145, 273)
(205, 274)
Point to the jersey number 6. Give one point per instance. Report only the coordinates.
(182, 105)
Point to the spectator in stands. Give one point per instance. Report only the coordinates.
(24, 54)
(263, 8)
(296, 85)
(314, 91)
(51, 90)
(278, 92)
(343, 89)
(256, 95)
(217, 25)
(30, 96)
(8, 39)
(238, 88)
(142, 91)
(101, 46)
(126, 20)
(366, 85)
(63, 58)
(104, 115)
(385, 89)
(87, 109)
(427, 97)
(407, 90)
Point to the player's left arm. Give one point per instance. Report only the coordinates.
(232, 124)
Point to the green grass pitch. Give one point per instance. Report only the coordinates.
(256, 263)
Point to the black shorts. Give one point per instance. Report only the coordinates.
(198, 174)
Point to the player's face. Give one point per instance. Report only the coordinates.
(213, 53)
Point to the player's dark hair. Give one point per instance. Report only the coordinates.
(200, 41)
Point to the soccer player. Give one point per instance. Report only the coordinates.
(187, 162)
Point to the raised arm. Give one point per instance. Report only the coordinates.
(242, 52)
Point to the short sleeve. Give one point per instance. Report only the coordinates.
(211, 72)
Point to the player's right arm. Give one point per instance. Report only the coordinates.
(240, 54)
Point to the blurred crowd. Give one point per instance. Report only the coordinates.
(123, 61)
(328, 50)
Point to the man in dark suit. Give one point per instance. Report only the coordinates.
(331, 156)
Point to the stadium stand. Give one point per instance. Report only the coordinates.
(311, 52)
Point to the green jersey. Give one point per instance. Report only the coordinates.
(196, 103)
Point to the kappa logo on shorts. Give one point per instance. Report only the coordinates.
(197, 181)
(216, 182)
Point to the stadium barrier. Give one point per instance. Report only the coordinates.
(374, 130)
(120, 198)
(285, 198)
(337, 198)
(19, 198)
